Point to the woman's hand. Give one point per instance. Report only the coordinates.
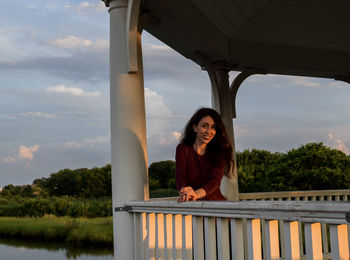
(187, 194)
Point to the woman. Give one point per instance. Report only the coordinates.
(202, 157)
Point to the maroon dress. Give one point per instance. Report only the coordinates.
(198, 171)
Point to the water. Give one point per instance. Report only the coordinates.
(13, 249)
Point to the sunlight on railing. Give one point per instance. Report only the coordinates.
(241, 230)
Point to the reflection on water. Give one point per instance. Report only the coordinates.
(29, 250)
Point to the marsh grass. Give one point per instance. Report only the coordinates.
(71, 231)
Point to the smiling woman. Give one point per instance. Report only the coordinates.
(202, 157)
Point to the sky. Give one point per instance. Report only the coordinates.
(54, 101)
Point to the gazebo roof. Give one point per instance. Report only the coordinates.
(292, 37)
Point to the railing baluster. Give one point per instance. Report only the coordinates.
(282, 241)
(186, 237)
(168, 236)
(313, 241)
(291, 240)
(237, 245)
(324, 238)
(219, 238)
(143, 235)
(183, 237)
(198, 240)
(188, 234)
(245, 239)
(339, 242)
(177, 237)
(137, 236)
(223, 238)
(152, 236)
(254, 239)
(209, 238)
(161, 236)
(263, 237)
(147, 237)
(156, 251)
(272, 240)
(301, 244)
(174, 237)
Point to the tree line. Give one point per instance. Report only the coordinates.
(87, 192)
(313, 166)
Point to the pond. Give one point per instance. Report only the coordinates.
(13, 249)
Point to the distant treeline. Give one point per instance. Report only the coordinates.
(87, 192)
(313, 166)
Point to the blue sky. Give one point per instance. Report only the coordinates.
(54, 102)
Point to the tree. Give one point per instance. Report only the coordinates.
(64, 182)
(252, 168)
(164, 173)
(313, 166)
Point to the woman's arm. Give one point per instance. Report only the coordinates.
(181, 173)
(186, 192)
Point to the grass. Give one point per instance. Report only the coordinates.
(72, 231)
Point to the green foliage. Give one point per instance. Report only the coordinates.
(252, 168)
(58, 206)
(162, 179)
(163, 172)
(77, 232)
(162, 193)
(313, 166)
(85, 183)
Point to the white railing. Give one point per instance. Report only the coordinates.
(310, 195)
(240, 230)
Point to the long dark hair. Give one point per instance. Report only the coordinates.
(219, 147)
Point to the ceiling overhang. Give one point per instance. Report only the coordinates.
(290, 37)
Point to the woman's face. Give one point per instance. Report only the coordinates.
(205, 130)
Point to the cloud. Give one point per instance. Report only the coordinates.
(72, 91)
(158, 47)
(70, 42)
(176, 134)
(162, 62)
(27, 152)
(24, 153)
(9, 159)
(89, 65)
(342, 147)
(87, 142)
(338, 144)
(165, 139)
(155, 104)
(37, 114)
(85, 7)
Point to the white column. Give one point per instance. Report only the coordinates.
(221, 101)
(128, 129)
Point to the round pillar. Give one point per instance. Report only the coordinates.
(128, 130)
(221, 101)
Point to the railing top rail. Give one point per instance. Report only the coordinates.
(287, 194)
(326, 212)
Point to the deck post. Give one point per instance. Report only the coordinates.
(128, 121)
(221, 102)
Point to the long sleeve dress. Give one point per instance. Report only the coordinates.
(197, 171)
